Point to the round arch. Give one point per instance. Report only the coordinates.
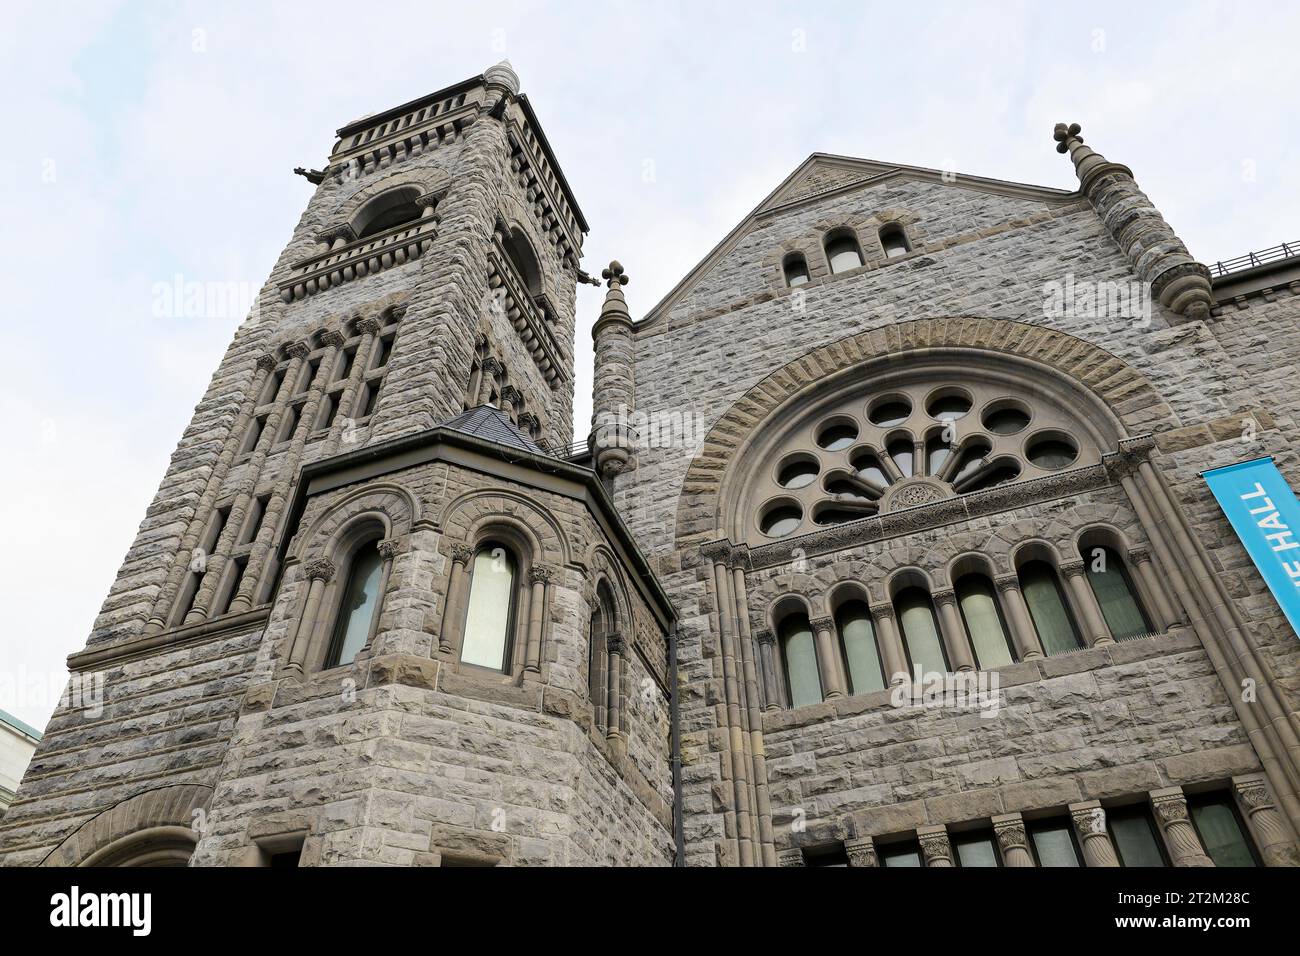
(154, 828)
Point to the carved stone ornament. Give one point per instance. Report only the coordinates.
(369, 326)
(461, 553)
(332, 337)
(1171, 809)
(540, 574)
(267, 362)
(912, 492)
(1254, 795)
(387, 548)
(765, 636)
(822, 624)
(298, 350)
(319, 569)
(1010, 835)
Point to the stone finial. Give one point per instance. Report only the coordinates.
(614, 275)
(503, 74)
(1063, 134)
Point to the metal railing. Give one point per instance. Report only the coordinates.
(1287, 250)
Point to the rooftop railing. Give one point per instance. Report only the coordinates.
(1287, 250)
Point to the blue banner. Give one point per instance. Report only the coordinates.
(1262, 509)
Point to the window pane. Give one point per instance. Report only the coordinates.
(1053, 844)
(1220, 831)
(843, 254)
(975, 849)
(800, 655)
(1047, 608)
(1115, 595)
(924, 648)
(979, 609)
(360, 601)
(491, 599)
(1135, 838)
(861, 657)
(905, 854)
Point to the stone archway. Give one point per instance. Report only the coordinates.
(153, 828)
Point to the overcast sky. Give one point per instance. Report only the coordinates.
(155, 140)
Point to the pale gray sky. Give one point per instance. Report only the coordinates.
(151, 140)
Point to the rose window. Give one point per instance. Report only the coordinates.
(912, 444)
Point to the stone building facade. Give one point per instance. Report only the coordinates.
(888, 545)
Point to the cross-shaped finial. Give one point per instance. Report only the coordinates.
(614, 274)
(1064, 134)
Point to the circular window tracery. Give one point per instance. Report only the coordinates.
(910, 444)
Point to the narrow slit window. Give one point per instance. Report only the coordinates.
(799, 653)
(858, 644)
(925, 651)
(1115, 595)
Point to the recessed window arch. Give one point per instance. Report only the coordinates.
(359, 602)
(977, 599)
(1057, 631)
(893, 239)
(1112, 585)
(795, 267)
(490, 611)
(842, 250)
(522, 256)
(799, 656)
(604, 624)
(920, 631)
(859, 648)
(387, 211)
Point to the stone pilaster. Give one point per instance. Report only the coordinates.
(1090, 827)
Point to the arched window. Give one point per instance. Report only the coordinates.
(1114, 590)
(894, 240)
(388, 211)
(1052, 619)
(921, 639)
(521, 255)
(602, 625)
(842, 252)
(796, 269)
(359, 606)
(799, 651)
(490, 612)
(982, 616)
(858, 645)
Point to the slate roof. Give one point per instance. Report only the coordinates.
(492, 424)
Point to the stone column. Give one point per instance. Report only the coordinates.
(828, 657)
(1157, 255)
(614, 644)
(388, 550)
(319, 572)
(1009, 828)
(539, 578)
(1022, 627)
(1167, 616)
(453, 613)
(1094, 626)
(162, 605)
(612, 440)
(767, 655)
(1090, 826)
(890, 644)
(935, 848)
(861, 852)
(1266, 825)
(1169, 807)
(339, 434)
(954, 635)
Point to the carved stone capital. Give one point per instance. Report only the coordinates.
(616, 643)
(461, 553)
(861, 852)
(319, 569)
(936, 849)
(1007, 582)
(540, 574)
(267, 362)
(765, 636)
(341, 231)
(369, 326)
(298, 350)
(1254, 794)
(511, 395)
(884, 611)
(1171, 808)
(718, 552)
(1010, 834)
(492, 366)
(1139, 555)
(1090, 821)
(529, 423)
(332, 337)
(388, 548)
(1072, 568)
(822, 624)
(944, 596)
(787, 857)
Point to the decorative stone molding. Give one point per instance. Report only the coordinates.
(935, 846)
(1009, 829)
(1072, 568)
(319, 569)
(615, 643)
(790, 858)
(461, 553)
(511, 396)
(765, 636)
(1090, 823)
(332, 338)
(267, 362)
(1007, 582)
(822, 624)
(369, 325)
(1139, 555)
(882, 610)
(861, 852)
(540, 573)
(298, 350)
(349, 259)
(911, 492)
(944, 596)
